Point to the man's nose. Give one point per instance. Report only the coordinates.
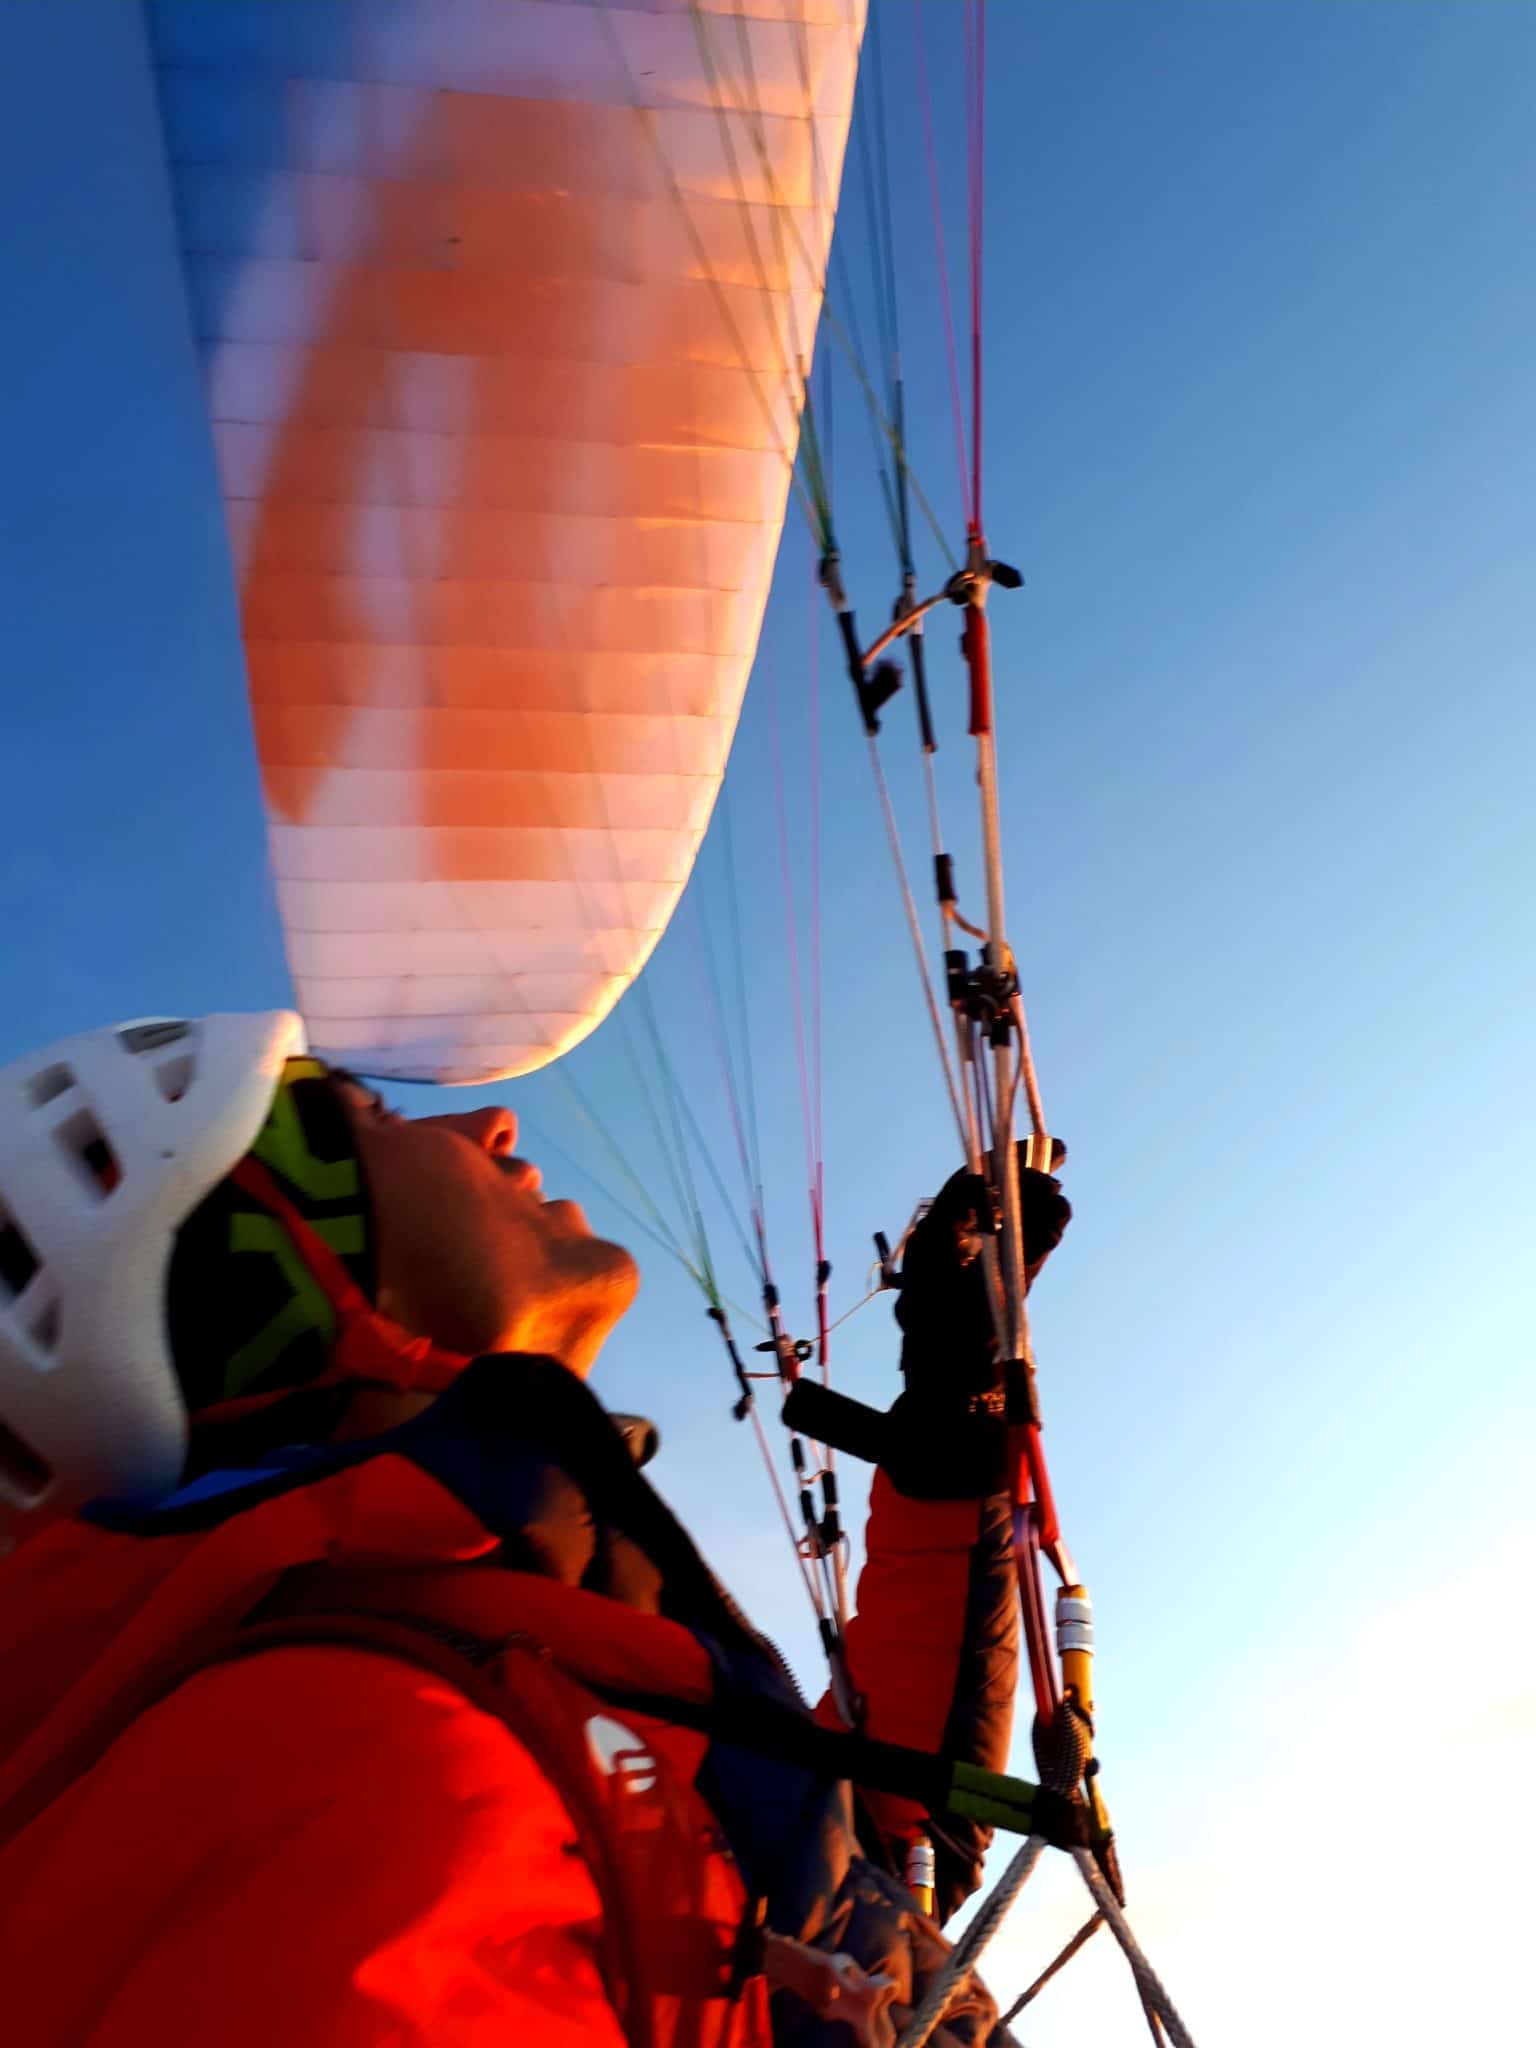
(494, 1130)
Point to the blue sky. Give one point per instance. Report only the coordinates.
(1261, 328)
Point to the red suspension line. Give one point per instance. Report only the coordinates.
(1026, 1559)
(1035, 1521)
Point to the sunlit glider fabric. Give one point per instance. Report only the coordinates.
(504, 306)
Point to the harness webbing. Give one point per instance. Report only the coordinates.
(946, 1787)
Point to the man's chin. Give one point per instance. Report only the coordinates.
(606, 1288)
(613, 1281)
(620, 1270)
(596, 1254)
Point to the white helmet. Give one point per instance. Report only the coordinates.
(108, 1142)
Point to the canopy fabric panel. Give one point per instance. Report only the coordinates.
(504, 307)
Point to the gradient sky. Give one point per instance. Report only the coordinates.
(1262, 411)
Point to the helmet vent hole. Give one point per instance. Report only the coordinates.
(50, 1084)
(24, 1476)
(18, 1261)
(173, 1077)
(138, 1038)
(86, 1143)
(45, 1331)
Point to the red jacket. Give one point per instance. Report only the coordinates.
(460, 1841)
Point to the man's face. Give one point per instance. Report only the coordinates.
(469, 1253)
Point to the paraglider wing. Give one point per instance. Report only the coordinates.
(505, 307)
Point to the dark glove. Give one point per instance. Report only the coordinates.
(947, 1436)
(942, 1306)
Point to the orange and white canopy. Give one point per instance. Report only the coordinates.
(505, 307)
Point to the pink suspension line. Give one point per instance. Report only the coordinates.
(976, 46)
(792, 945)
(946, 298)
(728, 1080)
(835, 1555)
(819, 1170)
(810, 1103)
